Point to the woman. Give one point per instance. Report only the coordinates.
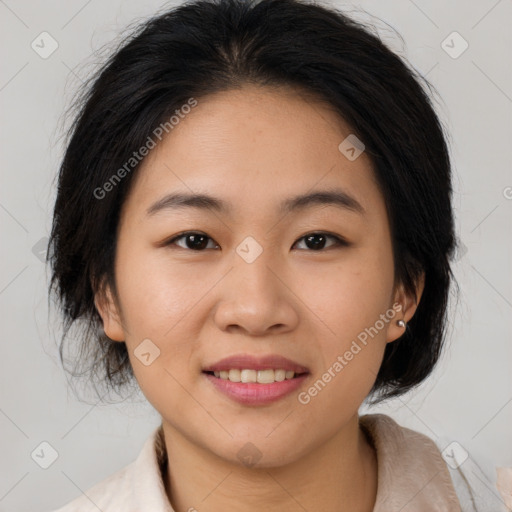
(254, 208)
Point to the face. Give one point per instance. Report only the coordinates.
(313, 283)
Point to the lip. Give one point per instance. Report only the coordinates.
(254, 393)
(249, 362)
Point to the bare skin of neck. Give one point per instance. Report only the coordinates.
(340, 475)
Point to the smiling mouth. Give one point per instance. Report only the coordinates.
(248, 376)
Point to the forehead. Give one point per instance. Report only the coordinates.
(255, 146)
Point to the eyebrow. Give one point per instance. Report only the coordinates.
(180, 200)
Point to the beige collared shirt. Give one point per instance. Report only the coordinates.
(412, 477)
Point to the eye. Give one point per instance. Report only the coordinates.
(193, 240)
(316, 241)
(197, 241)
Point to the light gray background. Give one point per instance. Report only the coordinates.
(469, 397)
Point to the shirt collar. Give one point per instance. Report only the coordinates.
(147, 475)
(412, 475)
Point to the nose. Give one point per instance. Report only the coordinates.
(257, 298)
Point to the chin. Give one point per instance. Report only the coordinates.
(258, 451)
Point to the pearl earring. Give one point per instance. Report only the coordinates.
(401, 323)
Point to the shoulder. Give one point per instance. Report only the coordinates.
(395, 443)
(434, 472)
(412, 475)
(110, 492)
(476, 479)
(137, 486)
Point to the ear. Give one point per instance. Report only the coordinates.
(405, 305)
(109, 312)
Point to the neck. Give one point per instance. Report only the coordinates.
(339, 475)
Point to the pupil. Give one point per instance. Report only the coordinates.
(195, 239)
(315, 245)
(200, 241)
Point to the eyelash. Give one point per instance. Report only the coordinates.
(339, 242)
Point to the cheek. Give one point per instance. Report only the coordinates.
(157, 303)
(156, 294)
(348, 296)
(349, 303)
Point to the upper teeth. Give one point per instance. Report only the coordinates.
(260, 376)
